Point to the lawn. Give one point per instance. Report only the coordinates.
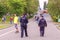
(3, 26)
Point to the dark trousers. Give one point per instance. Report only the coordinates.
(23, 29)
(11, 22)
(42, 31)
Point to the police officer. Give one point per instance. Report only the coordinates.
(24, 22)
(42, 24)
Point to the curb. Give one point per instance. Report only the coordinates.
(58, 28)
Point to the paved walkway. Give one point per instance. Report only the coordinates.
(51, 32)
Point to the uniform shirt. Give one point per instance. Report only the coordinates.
(42, 23)
(23, 21)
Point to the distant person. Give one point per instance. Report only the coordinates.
(42, 24)
(3, 19)
(16, 23)
(24, 22)
(36, 17)
(11, 20)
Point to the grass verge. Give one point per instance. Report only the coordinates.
(58, 24)
(3, 26)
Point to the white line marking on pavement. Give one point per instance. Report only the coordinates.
(6, 33)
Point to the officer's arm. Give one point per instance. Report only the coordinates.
(27, 20)
(45, 23)
(39, 24)
(21, 20)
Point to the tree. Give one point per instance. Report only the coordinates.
(3, 10)
(32, 6)
(54, 8)
(19, 6)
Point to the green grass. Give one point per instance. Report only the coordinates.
(3, 26)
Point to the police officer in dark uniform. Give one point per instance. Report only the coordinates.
(42, 24)
(24, 22)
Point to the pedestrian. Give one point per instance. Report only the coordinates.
(37, 20)
(11, 20)
(42, 24)
(23, 22)
(16, 23)
(3, 19)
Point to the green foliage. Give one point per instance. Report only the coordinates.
(18, 6)
(32, 6)
(54, 8)
(3, 10)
